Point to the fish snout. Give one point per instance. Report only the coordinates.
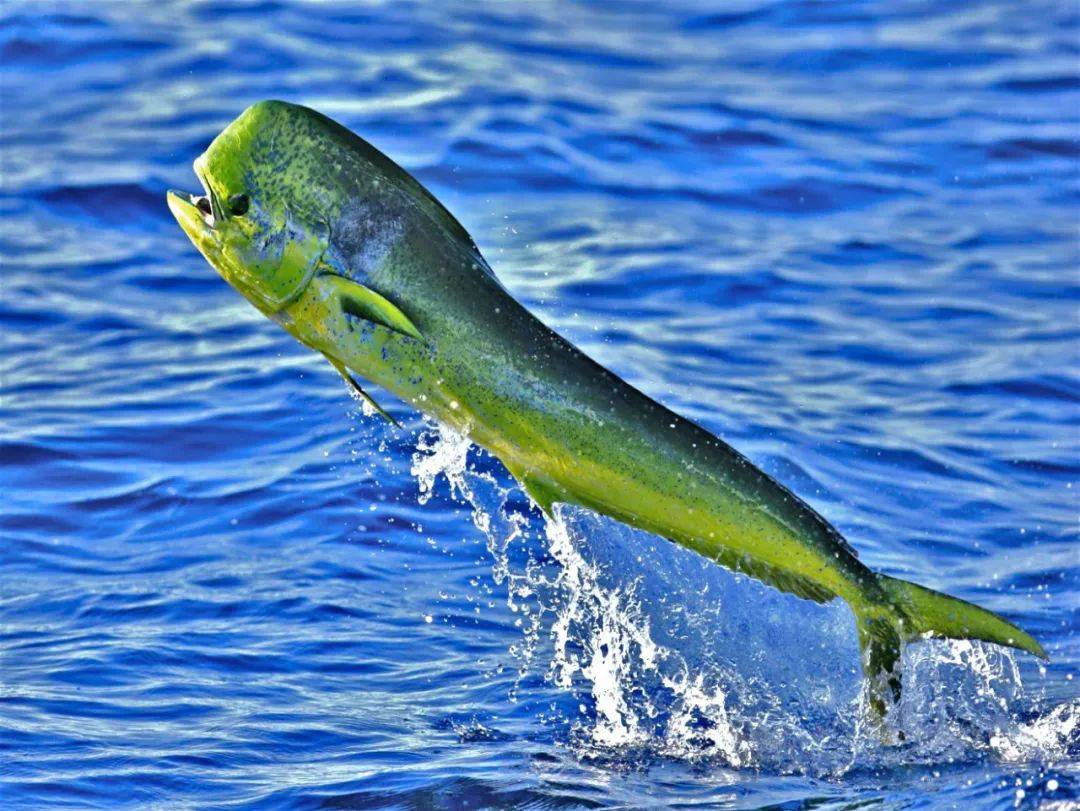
(195, 215)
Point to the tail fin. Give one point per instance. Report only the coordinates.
(914, 612)
(937, 614)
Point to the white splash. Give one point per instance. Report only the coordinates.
(611, 633)
(643, 694)
(763, 691)
(442, 452)
(1046, 737)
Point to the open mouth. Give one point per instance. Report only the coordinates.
(198, 214)
(200, 203)
(204, 203)
(195, 215)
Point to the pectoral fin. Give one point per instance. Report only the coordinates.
(363, 394)
(363, 302)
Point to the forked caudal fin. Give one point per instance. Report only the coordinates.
(916, 612)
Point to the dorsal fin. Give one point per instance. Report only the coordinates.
(416, 193)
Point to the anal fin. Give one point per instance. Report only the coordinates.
(776, 577)
(786, 581)
(543, 493)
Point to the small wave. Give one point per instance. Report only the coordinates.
(112, 203)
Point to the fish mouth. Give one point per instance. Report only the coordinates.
(197, 214)
(191, 211)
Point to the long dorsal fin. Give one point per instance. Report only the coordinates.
(367, 398)
(363, 302)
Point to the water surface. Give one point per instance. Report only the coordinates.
(843, 236)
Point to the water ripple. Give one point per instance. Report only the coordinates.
(841, 235)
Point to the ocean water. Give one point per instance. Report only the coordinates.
(844, 236)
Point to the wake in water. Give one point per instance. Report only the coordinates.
(670, 654)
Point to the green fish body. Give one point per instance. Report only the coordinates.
(356, 260)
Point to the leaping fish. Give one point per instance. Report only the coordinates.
(358, 261)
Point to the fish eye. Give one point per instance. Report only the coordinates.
(238, 204)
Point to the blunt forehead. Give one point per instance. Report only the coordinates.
(269, 139)
(287, 156)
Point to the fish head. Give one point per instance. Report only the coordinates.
(259, 221)
(338, 245)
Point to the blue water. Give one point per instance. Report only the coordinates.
(842, 235)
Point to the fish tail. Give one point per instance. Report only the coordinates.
(881, 640)
(913, 612)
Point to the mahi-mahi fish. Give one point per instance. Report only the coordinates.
(355, 259)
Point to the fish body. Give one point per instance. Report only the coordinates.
(356, 260)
